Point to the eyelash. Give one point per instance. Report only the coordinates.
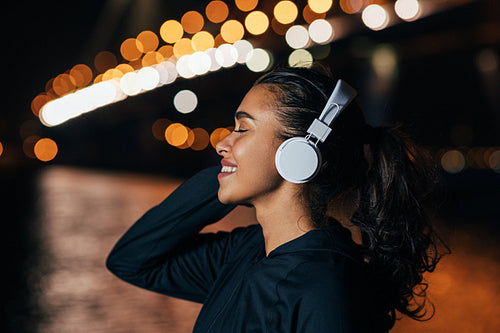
(239, 131)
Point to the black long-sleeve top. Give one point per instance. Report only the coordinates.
(314, 283)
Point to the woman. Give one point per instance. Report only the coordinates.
(340, 253)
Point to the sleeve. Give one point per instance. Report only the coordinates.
(164, 251)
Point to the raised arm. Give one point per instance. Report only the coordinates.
(164, 252)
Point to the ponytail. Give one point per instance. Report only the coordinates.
(397, 235)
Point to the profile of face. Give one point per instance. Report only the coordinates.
(248, 173)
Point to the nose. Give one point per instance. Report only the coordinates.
(224, 146)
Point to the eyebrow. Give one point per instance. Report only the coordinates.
(242, 114)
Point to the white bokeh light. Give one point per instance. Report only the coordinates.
(297, 37)
(185, 101)
(408, 10)
(259, 60)
(226, 55)
(199, 63)
(183, 68)
(375, 17)
(300, 58)
(321, 31)
(244, 48)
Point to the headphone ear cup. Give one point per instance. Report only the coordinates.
(298, 160)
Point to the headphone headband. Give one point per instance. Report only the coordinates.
(341, 97)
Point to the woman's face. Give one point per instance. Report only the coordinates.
(248, 172)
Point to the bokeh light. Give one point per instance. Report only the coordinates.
(246, 5)
(63, 84)
(29, 146)
(189, 140)
(183, 47)
(408, 10)
(166, 51)
(384, 61)
(494, 161)
(297, 37)
(320, 31)
(81, 75)
(104, 60)
(148, 41)
(129, 84)
(202, 40)
(279, 28)
(45, 149)
(217, 135)
(167, 72)
(159, 127)
(300, 58)
(37, 103)
(453, 161)
(171, 31)
(319, 6)
(176, 134)
(310, 16)
(1, 148)
(216, 11)
(243, 47)
(130, 49)
(185, 101)
(192, 22)
(148, 78)
(259, 60)
(214, 65)
(152, 58)
(256, 22)
(201, 139)
(351, 6)
(183, 68)
(226, 55)
(232, 31)
(199, 63)
(375, 17)
(111, 74)
(285, 12)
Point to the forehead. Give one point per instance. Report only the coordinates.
(258, 99)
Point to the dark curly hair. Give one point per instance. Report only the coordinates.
(392, 179)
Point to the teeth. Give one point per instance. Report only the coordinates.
(228, 169)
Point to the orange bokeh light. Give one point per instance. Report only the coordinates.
(285, 12)
(38, 102)
(279, 28)
(63, 84)
(159, 127)
(232, 31)
(131, 49)
(217, 135)
(183, 47)
(246, 5)
(166, 51)
(112, 73)
(189, 140)
(202, 41)
(1, 149)
(216, 11)
(201, 139)
(256, 22)
(45, 149)
(192, 22)
(310, 16)
(104, 60)
(148, 41)
(351, 6)
(171, 31)
(176, 134)
(152, 58)
(81, 74)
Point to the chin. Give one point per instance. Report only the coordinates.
(228, 200)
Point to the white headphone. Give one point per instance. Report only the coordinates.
(298, 159)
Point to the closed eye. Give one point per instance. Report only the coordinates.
(240, 130)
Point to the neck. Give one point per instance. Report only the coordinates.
(282, 218)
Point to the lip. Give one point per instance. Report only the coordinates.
(224, 163)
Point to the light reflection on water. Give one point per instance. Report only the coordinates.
(83, 213)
